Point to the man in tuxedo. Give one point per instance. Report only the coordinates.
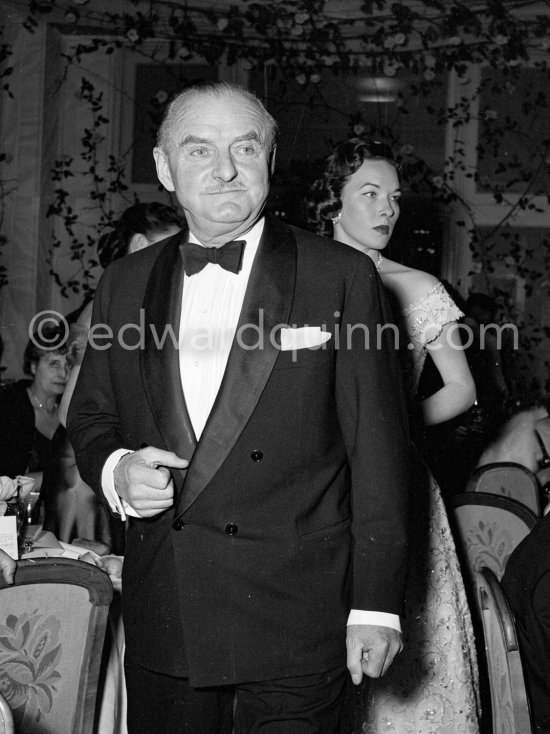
(526, 582)
(240, 404)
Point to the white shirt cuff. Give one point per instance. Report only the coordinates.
(116, 503)
(382, 619)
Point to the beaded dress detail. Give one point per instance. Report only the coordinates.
(432, 686)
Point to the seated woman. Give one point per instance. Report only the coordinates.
(29, 411)
(34, 443)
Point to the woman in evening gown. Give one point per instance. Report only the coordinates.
(432, 686)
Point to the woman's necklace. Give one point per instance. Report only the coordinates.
(49, 411)
(379, 261)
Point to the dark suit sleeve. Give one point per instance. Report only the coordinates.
(372, 414)
(541, 610)
(92, 420)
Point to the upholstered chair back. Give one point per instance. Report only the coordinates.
(510, 480)
(487, 529)
(509, 703)
(52, 628)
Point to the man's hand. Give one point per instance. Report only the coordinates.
(143, 480)
(7, 564)
(371, 650)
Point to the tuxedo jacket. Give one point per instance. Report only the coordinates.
(526, 582)
(293, 507)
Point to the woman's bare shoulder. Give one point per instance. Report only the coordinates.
(407, 284)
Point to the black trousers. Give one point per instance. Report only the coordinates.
(161, 704)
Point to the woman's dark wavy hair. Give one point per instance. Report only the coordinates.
(145, 219)
(323, 200)
(48, 340)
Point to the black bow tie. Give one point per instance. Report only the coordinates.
(229, 256)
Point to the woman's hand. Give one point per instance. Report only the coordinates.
(112, 565)
(26, 485)
(8, 488)
(8, 566)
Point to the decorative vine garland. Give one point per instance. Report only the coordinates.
(301, 41)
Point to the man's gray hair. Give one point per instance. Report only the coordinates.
(165, 138)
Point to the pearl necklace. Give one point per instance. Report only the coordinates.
(379, 261)
(49, 411)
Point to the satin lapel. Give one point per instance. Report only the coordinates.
(267, 303)
(159, 361)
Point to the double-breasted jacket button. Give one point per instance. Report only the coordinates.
(257, 455)
(178, 524)
(231, 528)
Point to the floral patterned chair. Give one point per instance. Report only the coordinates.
(487, 528)
(52, 628)
(509, 703)
(509, 479)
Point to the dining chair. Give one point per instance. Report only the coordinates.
(509, 702)
(52, 627)
(487, 528)
(510, 480)
(6, 717)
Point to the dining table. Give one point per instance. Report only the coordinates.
(39, 543)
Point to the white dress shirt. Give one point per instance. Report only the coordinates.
(212, 302)
(210, 309)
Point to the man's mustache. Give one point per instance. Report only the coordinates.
(225, 187)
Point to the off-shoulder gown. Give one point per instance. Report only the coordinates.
(432, 686)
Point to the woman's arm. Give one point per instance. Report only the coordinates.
(67, 395)
(458, 392)
(76, 352)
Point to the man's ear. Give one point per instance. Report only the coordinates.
(163, 169)
(272, 160)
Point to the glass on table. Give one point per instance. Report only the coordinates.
(31, 520)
